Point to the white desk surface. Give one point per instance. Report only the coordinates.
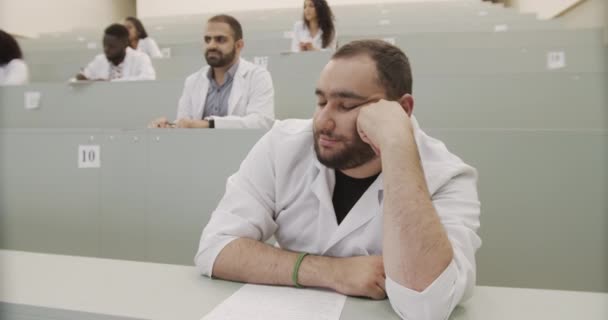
(161, 291)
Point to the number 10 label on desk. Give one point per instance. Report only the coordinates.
(89, 156)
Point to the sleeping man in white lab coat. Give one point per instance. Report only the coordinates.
(229, 92)
(359, 199)
(118, 62)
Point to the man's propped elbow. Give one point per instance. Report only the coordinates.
(436, 302)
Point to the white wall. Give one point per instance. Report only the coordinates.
(590, 13)
(583, 14)
(159, 8)
(546, 9)
(31, 17)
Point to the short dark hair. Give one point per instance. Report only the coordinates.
(117, 30)
(141, 31)
(9, 48)
(232, 22)
(392, 65)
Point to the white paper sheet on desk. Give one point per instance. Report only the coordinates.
(255, 302)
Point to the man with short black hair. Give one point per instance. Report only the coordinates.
(13, 69)
(229, 92)
(360, 200)
(118, 62)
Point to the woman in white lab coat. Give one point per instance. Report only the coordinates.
(316, 30)
(139, 39)
(13, 70)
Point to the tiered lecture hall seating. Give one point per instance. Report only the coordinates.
(482, 83)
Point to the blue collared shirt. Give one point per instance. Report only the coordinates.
(217, 95)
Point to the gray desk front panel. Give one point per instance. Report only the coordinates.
(542, 192)
(123, 206)
(48, 204)
(535, 100)
(133, 207)
(471, 39)
(440, 59)
(187, 172)
(544, 210)
(104, 105)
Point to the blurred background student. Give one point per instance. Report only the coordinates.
(118, 62)
(316, 31)
(13, 70)
(139, 39)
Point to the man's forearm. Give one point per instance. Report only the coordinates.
(192, 123)
(200, 124)
(416, 248)
(251, 261)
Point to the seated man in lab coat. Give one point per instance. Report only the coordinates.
(118, 62)
(359, 199)
(229, 92)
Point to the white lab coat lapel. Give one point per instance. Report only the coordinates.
(322, 187)
(239, 86)
(129, 64)
(202, 93)
(366, 208)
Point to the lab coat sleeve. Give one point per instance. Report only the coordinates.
(153, 49)
(184, 106)
(246, 210)
(260, 105)
(457, 205)
(18, 74)
(91, 71)
(145, 70)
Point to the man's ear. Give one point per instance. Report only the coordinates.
(407, 103)
(240, 44)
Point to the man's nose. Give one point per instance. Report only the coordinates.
(325, 118)
(212, 44)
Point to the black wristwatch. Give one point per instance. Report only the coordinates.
(211, 123)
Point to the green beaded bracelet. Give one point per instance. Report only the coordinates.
(296, 268)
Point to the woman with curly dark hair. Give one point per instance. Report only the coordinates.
(13, 70)
(139, 39)
(316, 30)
